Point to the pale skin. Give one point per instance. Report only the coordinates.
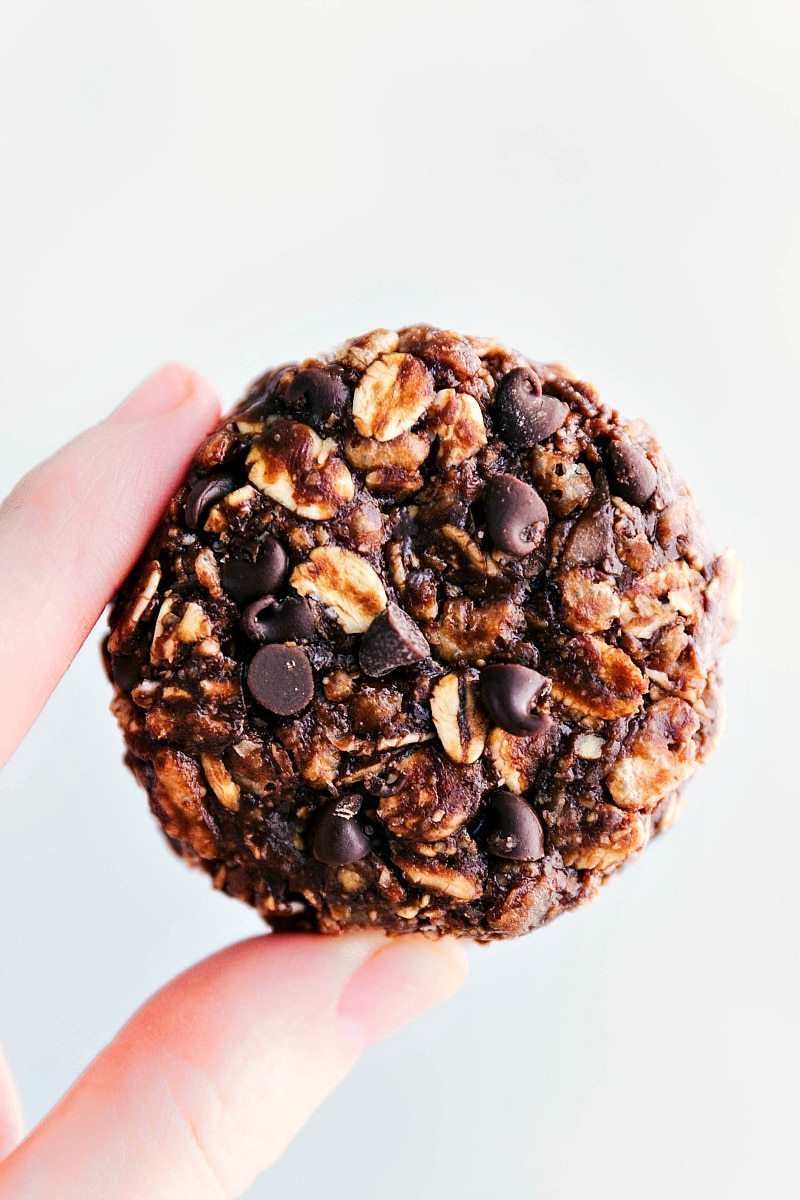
(210, 1080)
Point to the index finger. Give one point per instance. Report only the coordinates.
(72, 528)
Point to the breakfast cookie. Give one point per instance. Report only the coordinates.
(427, 641)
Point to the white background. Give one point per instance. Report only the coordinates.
(612, 185)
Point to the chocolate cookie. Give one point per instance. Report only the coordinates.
(428, 640)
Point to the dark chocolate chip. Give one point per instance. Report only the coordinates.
(246, 580)
(515, 830)
(509, 692)
(633, 476)
(318, 395)
(516, 515)
(271, 620)
(203, 496)
(524, 415)
(125, 671)
(337, 838)
(280, 679)
(392, 640)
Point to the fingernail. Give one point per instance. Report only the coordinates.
(401, 980)
(165, 390)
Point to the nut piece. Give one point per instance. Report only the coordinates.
(680, 532)
(407, 451)
(171, 630)
(589, 746)
(391, 397)
(343, 581)
(443, 350)
(391, 467)
(672, 593)
(514, 758)
(194, 625)
(178, 792)
(467, 551)
(362, 351)
(136, 606)
(206, 568)
(725, 593)
(660, 755)
(164, 643)
(460, 721)
(565, 483)
(468, 632)
(589, 603)
(317, 760)
(609, 839)
(236, 506)
(431, 800)
(460, 428)
(597, 680)
(439, 877)
(258, 766)
(222, 785)
(296, 468)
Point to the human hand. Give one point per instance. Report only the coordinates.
(209, 1081)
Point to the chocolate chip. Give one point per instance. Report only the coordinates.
(203, 496)
(125, 671)
(245, 580)
(516, 515)
(523, 414)
(633, 475)
(591, 541)
(271, 620)
(318, 395)
(392, 640)
(261, 394)
(281, 680)
(337, 838)
(509, 692)
(516, 831)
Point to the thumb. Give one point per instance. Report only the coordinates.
(72, 528)
(211, 1079)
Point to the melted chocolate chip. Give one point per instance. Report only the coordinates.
(281, 680)
(516, 515)
(337, 838)
(392, 640)
(524, 415)
(515, 831)
(271, 620)
(318, 395)
(203, 496)
(509, 692)
(633, 476)
(591, 542)
(259, 399)
(247, 580)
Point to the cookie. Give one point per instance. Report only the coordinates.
(427, 641)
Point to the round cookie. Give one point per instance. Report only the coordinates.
(428, 640)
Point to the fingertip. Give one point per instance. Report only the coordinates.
(11, 1122)
(212, 1078)
(173, 386)
(399, 982)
